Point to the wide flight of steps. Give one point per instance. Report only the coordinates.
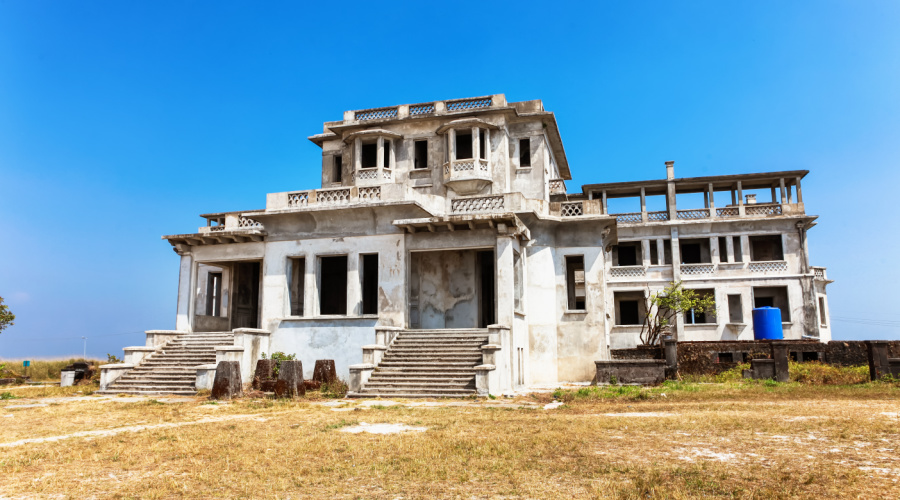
(172, 368)
(428, 363)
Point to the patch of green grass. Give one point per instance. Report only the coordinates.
(338, 425)
(8, 395)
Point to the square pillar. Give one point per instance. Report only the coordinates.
(185, 295)
(712, 202)
(354, 286)
(879, 365)
(643, 205)
(740, 199)
(661, 251)
(714, 250)
(476, 146)
(783, 195)
(451, 142)
(645, 253)
(745, 248)
(780, 356)
(605, 208)
(379, 161)
(729, 245)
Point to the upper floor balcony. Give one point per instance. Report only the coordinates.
(695, 199)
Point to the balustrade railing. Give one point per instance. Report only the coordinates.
(421, 109)
(698, 269)
(467, 168)
(627, 218)
(571, 209)
(480, 204)
(768, 209)
(819, 273)
(376, 114)
(627, 271)
(694, 213)
(248, 223)
(775, 266)
(727, 212)
(466, 104)
(557, 186)
(658, 215)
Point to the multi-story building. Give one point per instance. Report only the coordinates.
(442, 253)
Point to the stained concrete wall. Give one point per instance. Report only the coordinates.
(340, 339)
(447, 285)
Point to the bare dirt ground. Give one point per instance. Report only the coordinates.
(675, 441)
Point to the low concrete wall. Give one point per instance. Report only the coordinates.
(340, 339)
(636, 371)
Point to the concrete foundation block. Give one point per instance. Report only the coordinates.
(109, 373)
(483, 379)
(206, 374)
(66, 378)
(780, 356)
(359, 375)
(761, 369)
(631, 371)
(879, 366)
(227, 383)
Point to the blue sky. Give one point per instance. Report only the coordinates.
(122, 121)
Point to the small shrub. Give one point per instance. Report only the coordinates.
(278, 357)
(337, 389)
(816, 373)
(112, 359)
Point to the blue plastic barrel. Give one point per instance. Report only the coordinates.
(767, 323)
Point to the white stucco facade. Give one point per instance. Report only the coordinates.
(454, 215)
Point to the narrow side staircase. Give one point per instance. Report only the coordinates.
(428, 363)
(171, 368)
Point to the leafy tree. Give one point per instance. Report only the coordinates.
(6, 316)
(663, 307)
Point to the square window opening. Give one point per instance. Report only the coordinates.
(575, 286)
(297, 286)
(464, 146)
(421, 155)
(369, 155)
(735, 309)
(524, 153)
(766, 248)
(369, 283)
(773, 296)
(333, 285)
(338, 169)
(629, 308)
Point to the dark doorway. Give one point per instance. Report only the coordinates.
(486, 275)
(333, 285)
(370, 284)
(246, 295)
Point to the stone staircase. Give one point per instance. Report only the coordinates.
(171, 369)
(427, 363)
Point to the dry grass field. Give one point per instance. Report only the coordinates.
(680, 440)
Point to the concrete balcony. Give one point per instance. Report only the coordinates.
(467, 177)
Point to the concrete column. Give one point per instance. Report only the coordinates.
(192, 296)
(311, 287)
(379, 161)
(714, 250)
(354, 287)
(799, 192)
(780, 356)
(505, 274)
(712, 202)
(729, 245)
(733, 200)
(745, 248)
(670, 350)
(605, 207)
(661, 251)
(504, 280)
(676, 256)
(476, 147)
(487, 146)
(705, 199)
(774, 196)
(879, 365)
(357, 154)
(783, 195)
(645, 252)
(643, 205)
(182, 314)
(452, 136)
(740, 196)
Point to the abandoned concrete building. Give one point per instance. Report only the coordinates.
(443, 254)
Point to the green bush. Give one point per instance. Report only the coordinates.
(816, 373)
(278, 357)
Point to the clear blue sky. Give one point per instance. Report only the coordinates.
(122, 121)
